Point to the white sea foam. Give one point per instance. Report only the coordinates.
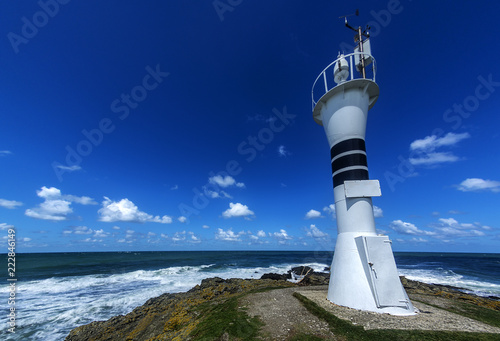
(448, 277)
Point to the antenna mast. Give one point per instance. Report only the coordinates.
(358, 38)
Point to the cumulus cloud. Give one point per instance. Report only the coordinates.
(10, 204)
(225, 181)
(282, 236)
(228, 235)
(283, 152)
(100, 234)
(182, 219)
(179, 236)
(377, 212)
(215, 183)
(330, 209)
(430, 159)
(205, 226)
(193, 238)
(315, 232)
(261, 234)
(433, 142)
(312, 214)
(126, 210)
(408, 228)
(81, 230)
(5, 226)
(476, 185)
(55, 206)
(428, 145)
(450, 227)
(237, 210)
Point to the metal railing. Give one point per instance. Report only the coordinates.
(328, 81)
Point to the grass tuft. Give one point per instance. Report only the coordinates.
(226, 318)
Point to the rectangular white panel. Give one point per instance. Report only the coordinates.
(362, 188)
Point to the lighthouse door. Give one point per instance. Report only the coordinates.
(380, 268)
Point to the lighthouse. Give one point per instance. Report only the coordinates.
(363, 272)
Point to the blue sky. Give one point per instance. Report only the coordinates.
(187, 125)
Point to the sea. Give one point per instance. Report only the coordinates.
(56, 292)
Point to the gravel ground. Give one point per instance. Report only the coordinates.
(284, 315)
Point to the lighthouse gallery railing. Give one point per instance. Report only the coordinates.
(327, 74)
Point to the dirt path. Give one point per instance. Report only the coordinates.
(285, 316)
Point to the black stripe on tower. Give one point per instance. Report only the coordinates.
(346, 146)
(355, 160)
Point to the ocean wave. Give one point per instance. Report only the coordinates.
(449, 277)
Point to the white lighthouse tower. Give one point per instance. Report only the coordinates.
(363, 272)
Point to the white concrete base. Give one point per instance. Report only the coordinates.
(349, 282)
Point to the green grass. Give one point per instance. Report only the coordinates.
(349, 331)
(226, 318)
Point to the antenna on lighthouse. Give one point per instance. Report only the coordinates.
(361, 60)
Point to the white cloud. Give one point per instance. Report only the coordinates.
(100, 234)
(282, 236)
(116, 227)
(69, 168)
(430, 143)
(182, 219)
(237, 210)
(228, 235)
(175, 187)
(316, 232)
(126, 210)
(377, 212)
(5, 152)
(205, 226)
(56, 206)
(179, 236)
(10, 204)
(82, 230)
(449, 227)
(194, 239)
(408, 228)
(476, 184)
(52, 209)
(312, 214)
(80, 200)
(419, 240)
(430, 159)
(5, 226)
(283, 152)
(330, 209)
(225, 181)
(261, 233)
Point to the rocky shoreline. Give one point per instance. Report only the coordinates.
(176, 316)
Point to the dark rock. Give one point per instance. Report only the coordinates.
(316, 278)
(301, 270)
(275, 277)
